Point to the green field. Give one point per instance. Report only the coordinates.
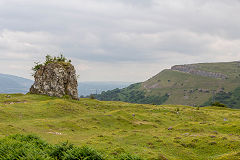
(148, 131)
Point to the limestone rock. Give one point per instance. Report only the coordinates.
(194, 70)
(55, 79)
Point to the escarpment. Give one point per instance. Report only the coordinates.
(194, 70)
(55, 79)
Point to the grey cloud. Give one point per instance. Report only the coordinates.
(121, 31)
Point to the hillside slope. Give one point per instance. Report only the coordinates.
(194, 84)
(14, 84)
(149, 131)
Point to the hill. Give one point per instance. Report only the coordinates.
(193, 84)
(149, 131)
(14, 84)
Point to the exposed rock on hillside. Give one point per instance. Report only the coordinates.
(193, 70)
(55, 79)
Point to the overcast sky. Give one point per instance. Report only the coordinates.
(118, 40)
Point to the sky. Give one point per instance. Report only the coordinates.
(117, 40)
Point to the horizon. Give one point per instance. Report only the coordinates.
(117, 40)
(91, 81)
(78, 81)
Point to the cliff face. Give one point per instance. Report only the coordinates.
(55, 79)
(193, 70)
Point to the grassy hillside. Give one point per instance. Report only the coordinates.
(231, 99)
(132, 94)
(149, 131)
(185, 88)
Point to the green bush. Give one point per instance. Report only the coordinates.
(218, 104)
(91, 96)
(24, 148)
(37, 66)
(126, 156)
(31, 147)
(50, 59)
(57, 151)
(85, 153)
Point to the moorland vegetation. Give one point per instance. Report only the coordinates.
(118, 128)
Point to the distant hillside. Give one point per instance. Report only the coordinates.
(14, 84)
(193, 84)
(87, 88)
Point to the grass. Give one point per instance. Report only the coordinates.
(114, 128)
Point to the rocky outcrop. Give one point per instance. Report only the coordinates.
(194, 70)
(56, 79)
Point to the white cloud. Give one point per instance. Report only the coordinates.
(126, 40)
(19, 44)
